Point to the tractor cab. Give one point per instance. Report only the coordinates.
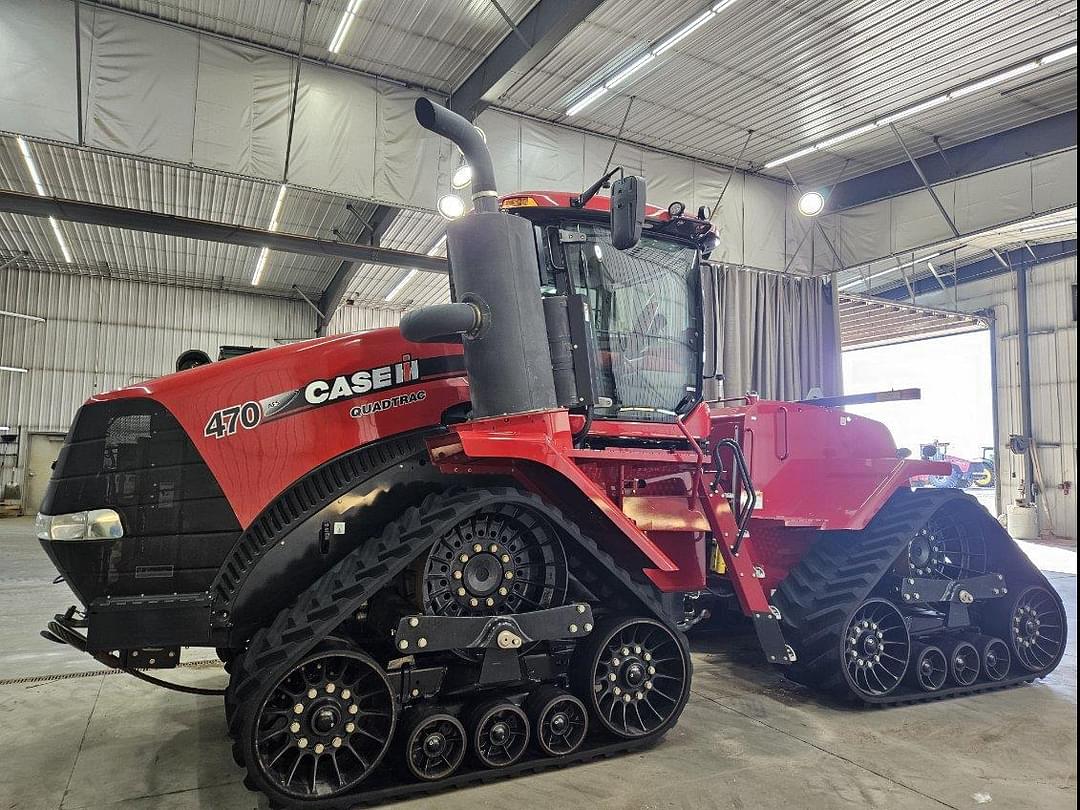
(642, 303)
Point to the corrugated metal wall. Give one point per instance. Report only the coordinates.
(1053, 352)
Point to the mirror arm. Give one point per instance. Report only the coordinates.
(583, 198)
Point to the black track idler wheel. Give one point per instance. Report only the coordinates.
(994, 653)
(499, 733)
(875, 648)
(1036, 629)
(434, 746)
(929, 669)
(635, 676)
(964, 663)
(560, 721)
(321, 729)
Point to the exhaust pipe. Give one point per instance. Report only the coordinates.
(495, 282)
(467, 138)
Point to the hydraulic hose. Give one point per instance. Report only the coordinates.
(440, 120)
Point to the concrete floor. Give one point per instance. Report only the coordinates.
(747, 738)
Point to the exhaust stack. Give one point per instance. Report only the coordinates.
(495, 283)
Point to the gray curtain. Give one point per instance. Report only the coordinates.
(774, 334)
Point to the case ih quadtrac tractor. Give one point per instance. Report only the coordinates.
(470, 547)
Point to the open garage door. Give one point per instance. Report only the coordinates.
(866, 322)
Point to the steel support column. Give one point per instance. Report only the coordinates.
(1025, 377)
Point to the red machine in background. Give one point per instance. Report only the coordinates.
(472, 548)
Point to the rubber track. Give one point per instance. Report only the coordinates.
(340, 592)
(818, 595)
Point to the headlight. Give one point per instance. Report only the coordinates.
(94, 524)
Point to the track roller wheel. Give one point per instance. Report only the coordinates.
(499, 733)
(1037, 629)
(560, 721)
(322, 728)
(638, 676)
(875, 648)
(929, 669)
(964, 663)
(434, 746)
(995, 656)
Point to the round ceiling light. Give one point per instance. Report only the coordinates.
(811, 204)
(451, 206)
(462, 176)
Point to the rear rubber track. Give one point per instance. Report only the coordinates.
(839, 572)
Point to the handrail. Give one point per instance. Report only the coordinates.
(744, 511)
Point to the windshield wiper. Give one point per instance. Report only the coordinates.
(583, 198)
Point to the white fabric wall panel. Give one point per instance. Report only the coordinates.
(988, 199)
(669, 179)
(37, 62)
(334, 135)
(709, 182)
(917, 221)
(407, 157)
(503, 134)
(597, 149)
(242, 109)
(1053, 181)
(551, 157)
(865, 231)
(764, 209)
(142, 87)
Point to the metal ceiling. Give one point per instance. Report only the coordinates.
(796, 72)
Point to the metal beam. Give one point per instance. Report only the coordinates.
(336, 290)
(985, 268)
(522, 49)
(111, 216)
(1012, 146)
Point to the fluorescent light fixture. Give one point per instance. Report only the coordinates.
(7, 314)
(990, 81)
(629, 70)
(264, 254)
(661, 47)
(845, 136)
(887, 270)
(930, 104)
(909, 111)
(31, 166)
(390, 296)
(792, 156)
(1057, 56)
(581, 104)
(434, 249)
(260, 265)
(60, 239)
(344, 25)
(13, 369)
(274, 217)
(683, 32)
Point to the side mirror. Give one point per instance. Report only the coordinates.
(627, 211)
(928, 451)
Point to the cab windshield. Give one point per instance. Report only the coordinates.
(645, 315)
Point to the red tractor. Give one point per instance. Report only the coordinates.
(470, 548)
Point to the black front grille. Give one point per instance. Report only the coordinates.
(131, 455)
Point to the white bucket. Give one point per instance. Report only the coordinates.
(1023, 521)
